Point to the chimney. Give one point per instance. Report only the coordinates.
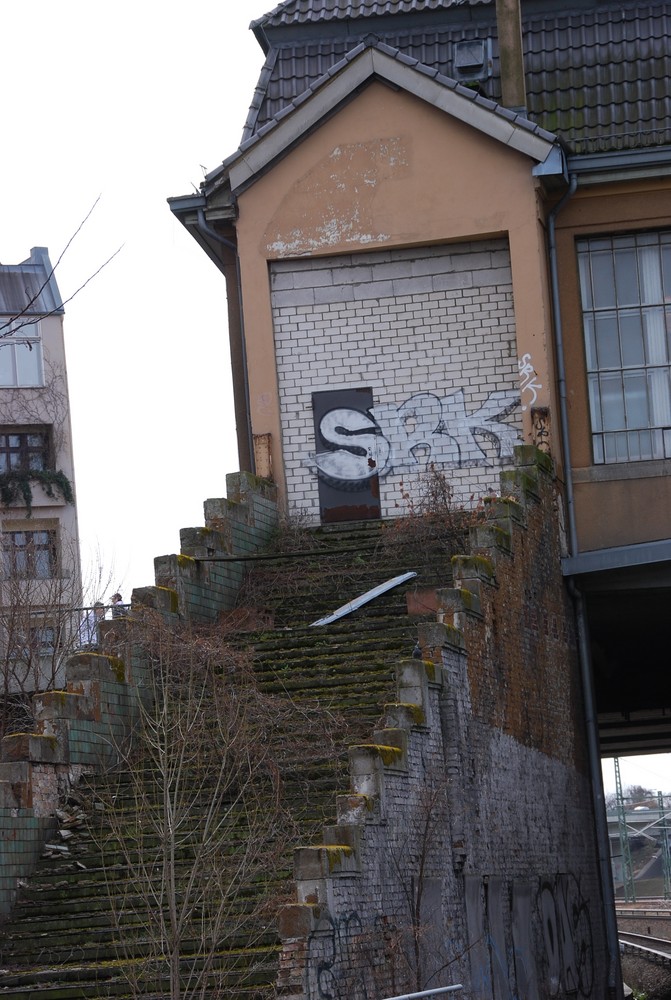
(509, 27)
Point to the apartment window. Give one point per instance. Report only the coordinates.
(43, 640)
(24, 450)
(29, 555)
(20, 354)
(625, 284)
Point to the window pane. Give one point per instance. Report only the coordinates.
(586, 281)
(607, 341)
(631, 338)
(603, 282)
(660, 399)
(654, 329)
(42, 564)
(636, 399)
(666, 271)
(651, 275)
(626, 278)
(612, 402)
(590, 344)
(594, 401)
(597, 447)
(609, 446)
(625, 284)
(7, 376)
(29, 364)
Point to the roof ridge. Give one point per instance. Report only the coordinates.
(295, 11)
(371, 41)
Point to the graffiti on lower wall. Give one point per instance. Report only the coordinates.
(333, 966)
(529, 940)
(529, 965)
(423, 430)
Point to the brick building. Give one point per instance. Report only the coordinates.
(447, 231)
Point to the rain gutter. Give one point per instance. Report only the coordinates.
(207, 230)
(597, 168)
(584, 652)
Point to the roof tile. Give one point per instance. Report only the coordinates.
(598, 77)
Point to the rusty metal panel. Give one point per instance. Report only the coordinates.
(346, 439)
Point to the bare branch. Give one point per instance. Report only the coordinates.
(31, 301)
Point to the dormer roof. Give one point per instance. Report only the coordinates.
(597, 73)
(370, 60)
(30, 288)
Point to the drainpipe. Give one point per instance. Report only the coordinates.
(584, 651)
(207, 230)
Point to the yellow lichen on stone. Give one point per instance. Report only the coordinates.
(389, 755)
(336, 853)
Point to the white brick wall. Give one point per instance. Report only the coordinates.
(430, 320)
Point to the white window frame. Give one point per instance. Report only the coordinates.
(19, 340)
(625, 284)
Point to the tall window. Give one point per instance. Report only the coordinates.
(625, 283)
(24, 449)
(29, 555)
(20, 354)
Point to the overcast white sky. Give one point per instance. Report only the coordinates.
(129, 100)
(126, 100)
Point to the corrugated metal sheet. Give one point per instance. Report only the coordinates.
(29, 288)
(598, 77)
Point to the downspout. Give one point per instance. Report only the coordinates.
(584, 651)
(207, 230)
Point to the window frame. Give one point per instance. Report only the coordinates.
(21, 332)
(24, 449)
(32, 568)
(624, 281)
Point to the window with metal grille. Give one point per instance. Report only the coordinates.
(625, 284)
(24, 449)
(29, 555)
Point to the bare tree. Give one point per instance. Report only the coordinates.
(196, 828)
(41, 614)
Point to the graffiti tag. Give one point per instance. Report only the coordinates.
(331, 961)
(424, 430)
(528, 380)
(566, 934)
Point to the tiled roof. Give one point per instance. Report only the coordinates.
(597, 76)
(309, 11)
(287, 106)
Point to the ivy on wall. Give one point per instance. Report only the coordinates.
(17, 486)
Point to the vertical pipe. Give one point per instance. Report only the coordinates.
(584, 652)
(509, 31)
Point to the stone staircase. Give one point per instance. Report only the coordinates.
(63, 940)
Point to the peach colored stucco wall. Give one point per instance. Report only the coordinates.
(388, 170)
(615, 504)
